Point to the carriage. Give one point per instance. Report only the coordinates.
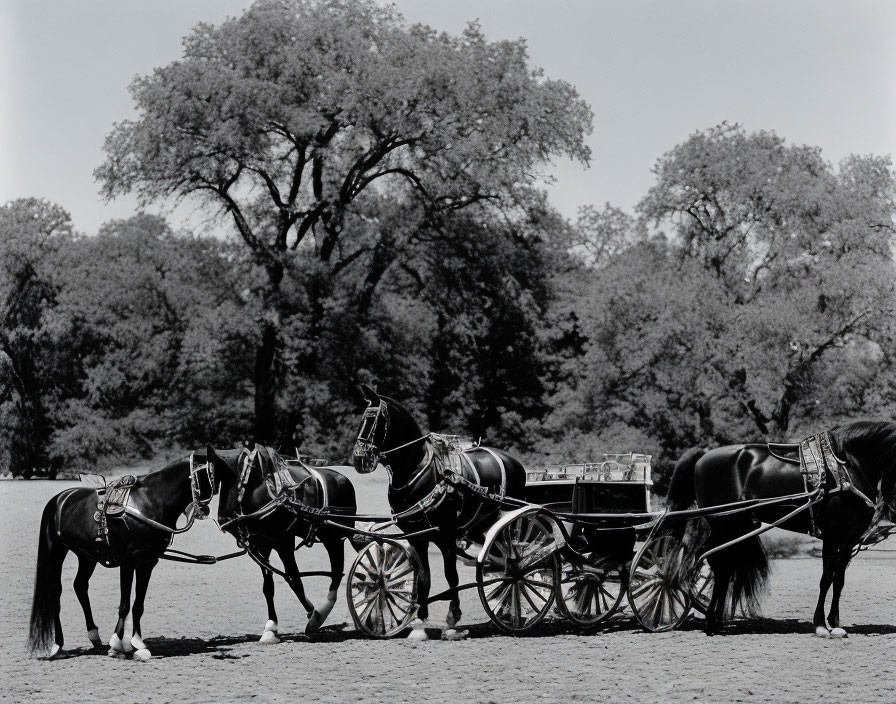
(578, 544)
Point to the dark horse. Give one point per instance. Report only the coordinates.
(267, 513)
(131, 535)
(390, 436)
(844, 518)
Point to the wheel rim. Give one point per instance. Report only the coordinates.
(516, 577)
(590, 593)
(659, 584)
(382, 590)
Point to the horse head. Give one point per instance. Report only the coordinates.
(388, 435)
(366, 454)
(228, 466)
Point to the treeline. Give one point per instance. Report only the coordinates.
(382, 186)
(751, 296)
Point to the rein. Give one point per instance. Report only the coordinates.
(198, 505)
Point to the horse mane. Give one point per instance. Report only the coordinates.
(399, 413)
(871, 443)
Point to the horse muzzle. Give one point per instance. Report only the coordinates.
(365, 458)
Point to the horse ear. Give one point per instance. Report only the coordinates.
(370, 395)
(213, 456)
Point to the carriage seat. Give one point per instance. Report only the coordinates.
(785, 451)
(112, 499)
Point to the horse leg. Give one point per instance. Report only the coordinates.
(270, 634)
(117, 645)
(86, 566)
(844, 555)
(335, 546)
(828, 566)
(449, 557)
(144, 572)
(420, 549)
(293, 579)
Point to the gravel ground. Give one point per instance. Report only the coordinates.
(202, 624)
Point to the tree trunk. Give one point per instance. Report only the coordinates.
(264, 429)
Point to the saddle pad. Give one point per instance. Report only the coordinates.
(113, 498)
(279, 478)
(822, 469)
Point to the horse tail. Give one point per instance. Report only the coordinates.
(682, 492)
(47, 582)
(750, 572)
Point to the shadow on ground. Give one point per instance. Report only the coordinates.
(220, 647)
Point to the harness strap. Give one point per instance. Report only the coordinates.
(501, 467)
(321, 482)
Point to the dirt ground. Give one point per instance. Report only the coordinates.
(202, 624)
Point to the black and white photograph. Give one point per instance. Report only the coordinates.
(490, 351)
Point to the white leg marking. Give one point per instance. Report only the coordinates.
(320, 615)
(418, 630)
(115, 646)
(128, 634)
(270, 637)
(838, 633)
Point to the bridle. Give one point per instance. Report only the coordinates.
(200, 503)
(366, 453)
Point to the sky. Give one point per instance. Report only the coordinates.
(816, 72)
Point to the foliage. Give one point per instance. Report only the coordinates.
(758, 306)
(339, 141)
(33, 370)
(159, 330)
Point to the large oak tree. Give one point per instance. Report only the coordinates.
(336, 138)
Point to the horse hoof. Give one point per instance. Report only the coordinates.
(418, 632)
(54, 651)
(822, 632)
(142, 654)
(452, 634)
(115, 645)
(137, 643)
(838, 633)
(93, 636)
(314, 623)
(269, 638)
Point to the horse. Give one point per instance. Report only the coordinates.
(855, 491)
(390, 436)
(128, 525)
(266, 503)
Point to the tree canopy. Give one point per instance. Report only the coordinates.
(337, 139)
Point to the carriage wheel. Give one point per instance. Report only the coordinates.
(516, 576)
(591, 592)
(382, 589)
(659, 584)
(701, 587)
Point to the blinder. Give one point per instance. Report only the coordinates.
(202, 486)
(366, 454)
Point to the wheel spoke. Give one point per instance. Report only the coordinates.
(524, 590)
(536, 587)
(395, 577)
(371, 566)
(650, 584)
